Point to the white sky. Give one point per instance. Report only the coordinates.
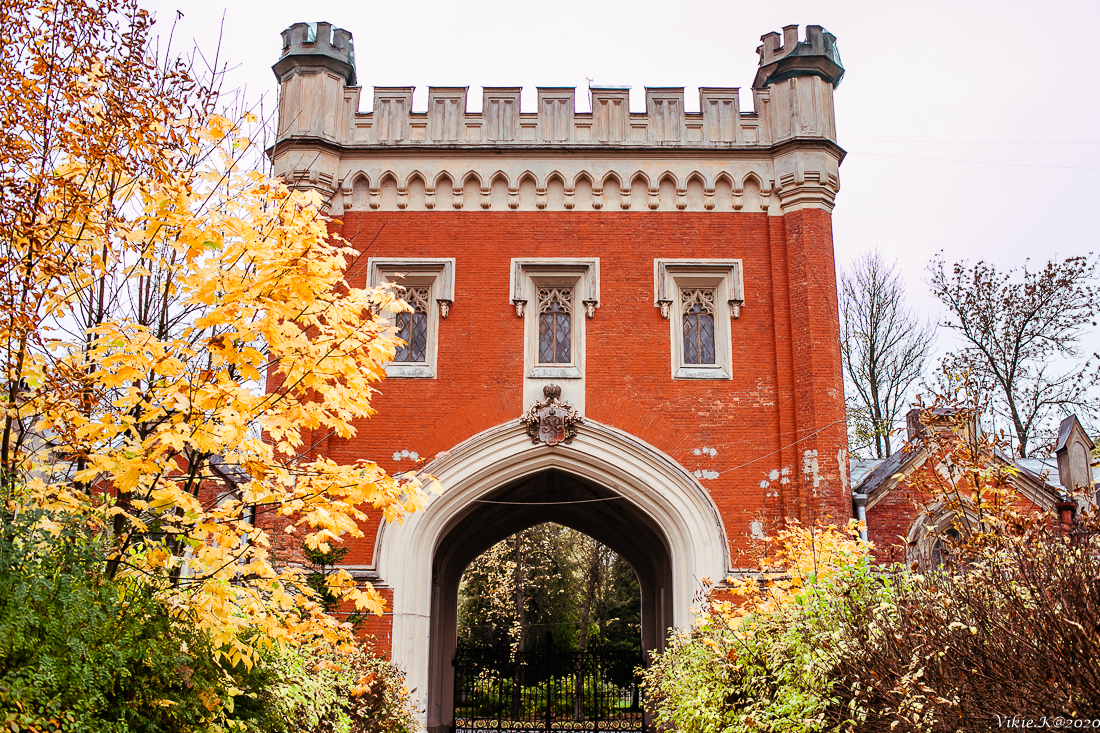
(970, 126)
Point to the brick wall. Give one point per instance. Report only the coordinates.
(785, 397)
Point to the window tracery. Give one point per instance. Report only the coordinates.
(412, 326)
(697, 309)
(555, 312)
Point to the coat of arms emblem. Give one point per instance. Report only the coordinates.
(550, 420)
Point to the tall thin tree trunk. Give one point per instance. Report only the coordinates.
(521, 621)
(582, 642)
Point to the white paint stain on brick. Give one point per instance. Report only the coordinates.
(756, 529)
(406, 455)
(782, 475)
(842, 459)
(811, 468)
(702, 472)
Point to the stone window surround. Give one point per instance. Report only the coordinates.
(580, 274)
(930, 525)
(672, 275)
(436, 273)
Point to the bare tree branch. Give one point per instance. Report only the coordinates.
(1014, 329)
(884, 347)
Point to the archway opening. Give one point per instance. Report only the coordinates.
(549, 633)
(550, 586)
(548, 497)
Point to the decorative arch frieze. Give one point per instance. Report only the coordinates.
(612, 183)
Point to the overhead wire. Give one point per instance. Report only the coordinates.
(976, 162)
(979, 142)
(643, 493)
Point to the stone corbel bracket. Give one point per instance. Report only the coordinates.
(589, 287)
(443, 267)
(664, 289)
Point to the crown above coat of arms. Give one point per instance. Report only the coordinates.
(550, 420)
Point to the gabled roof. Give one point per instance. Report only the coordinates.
(1065, 430)
(1033, 477)
(884, 469)
(1043, 468)
(858, 469)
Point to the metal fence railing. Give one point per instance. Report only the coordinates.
(547, 690)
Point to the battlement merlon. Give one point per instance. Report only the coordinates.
(792, 99)
(316, 45)
(780, 157)
(786, 58)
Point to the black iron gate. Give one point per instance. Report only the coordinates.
(547, 690)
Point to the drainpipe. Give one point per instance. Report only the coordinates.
(860, 502)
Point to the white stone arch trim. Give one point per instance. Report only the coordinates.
(476, 176)
(585, 176)
(347, 187)
(440, 176)
(388, 173)
(666, 173)
(620, 181)
(708, 185)
(655, 483)
(936, 519)
(738, 172)
(645, 177)
(357, 175)
(413, 175)
(752, 176)
(555, 173)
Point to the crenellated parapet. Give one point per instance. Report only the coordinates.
(788, 141)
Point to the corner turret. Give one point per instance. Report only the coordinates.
(788, 58)
(315, 46)
(794, 91)
(317, 101)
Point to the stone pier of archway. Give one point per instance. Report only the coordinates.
(605, 483)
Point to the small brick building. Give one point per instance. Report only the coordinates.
(907, 524)
(654, 290)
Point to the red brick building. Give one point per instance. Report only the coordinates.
(655, 292)
(908, 524)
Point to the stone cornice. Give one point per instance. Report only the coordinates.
(787, 176)
(780, 157)
(543, 149)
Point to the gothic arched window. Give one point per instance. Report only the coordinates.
(412, 326)
(555, 310)
(941, 548)
(697, 308)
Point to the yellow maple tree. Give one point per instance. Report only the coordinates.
(169, 315)
(799, 557)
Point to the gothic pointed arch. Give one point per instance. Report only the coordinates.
(527, 189)
(646, 505)
(360, 191)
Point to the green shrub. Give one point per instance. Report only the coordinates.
(338, 691)
(80, 652)
(765, 662)
(766, 670)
